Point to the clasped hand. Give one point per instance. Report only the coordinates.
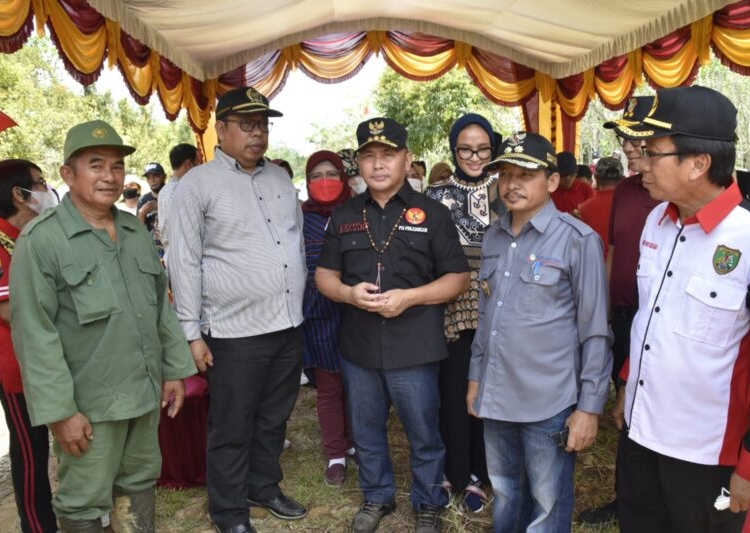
(389, 304)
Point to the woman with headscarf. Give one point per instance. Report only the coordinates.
(326, 189)
(471, 195)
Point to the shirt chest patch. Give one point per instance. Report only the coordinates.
(725, 259)
(412, 229)
(352, 227)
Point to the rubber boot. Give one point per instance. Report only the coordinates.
(68, 525)
(134, 512)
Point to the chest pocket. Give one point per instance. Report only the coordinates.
(91, 291)
(411, 257)
(149, 270)
(539, 292)
(709, 310)
(358, 256)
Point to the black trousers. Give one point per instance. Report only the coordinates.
(622, 320)
(29, 458)
(253, 384)
(462, 434)
(660, 494)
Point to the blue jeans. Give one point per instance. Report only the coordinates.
(532, 477)
(413, 391)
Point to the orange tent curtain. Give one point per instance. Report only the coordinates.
(86, 39)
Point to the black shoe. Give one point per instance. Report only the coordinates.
(599, 515)
(240, 528)
(368, 517)
(282, 506)
(428, 520)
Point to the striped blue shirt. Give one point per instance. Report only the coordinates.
(322, 324)
(236, 257)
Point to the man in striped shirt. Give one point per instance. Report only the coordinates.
(237, 266)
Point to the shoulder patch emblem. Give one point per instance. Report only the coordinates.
(725, 259)
(415, 216)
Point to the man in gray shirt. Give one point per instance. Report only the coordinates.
(541, 357)
(237, 266)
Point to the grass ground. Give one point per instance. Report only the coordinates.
(331, 509)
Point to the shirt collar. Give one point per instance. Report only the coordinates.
(73, 223)
(540, 221)
(231, 162)
(404, 194)
(710, 215)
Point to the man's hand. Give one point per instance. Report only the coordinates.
(172, 395)
(366, 296)
(618, 410)
(73, 434)
(147, 208)
(739, 493)
(395, 302)
(472, 392)
(583, 427)
(201, 354)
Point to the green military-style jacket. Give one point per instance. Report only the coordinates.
(91, 320)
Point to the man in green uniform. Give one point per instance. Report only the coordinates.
(99, 345)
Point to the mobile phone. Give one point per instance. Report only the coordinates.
(561, 437)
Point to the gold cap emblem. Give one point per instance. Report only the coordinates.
(99, 133)
(376, 127)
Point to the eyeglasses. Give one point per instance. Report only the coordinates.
(648, 154)
(330, 174)
(249, 125)
(41, 182)
(467, 153)
(634, 142)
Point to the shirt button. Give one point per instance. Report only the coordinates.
(90, 282)
(513, 245)
(382, 217)
(278, 242)
(268, 219)
(537, 278)
(284, 266)
(640, 383)
(506, 274)
(713, 294)
(499, 304)
(494, 333)
(657, 309)
(669, 273)
(647, 347)
(354, 243)
(287, 291)
(260, 198)
(682, 238)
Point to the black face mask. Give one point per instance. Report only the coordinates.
(129, 194)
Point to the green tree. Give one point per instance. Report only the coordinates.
(429, 109)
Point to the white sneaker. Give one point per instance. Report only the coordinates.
(287, 443)
(303, 380)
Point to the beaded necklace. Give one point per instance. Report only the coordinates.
(382, 250)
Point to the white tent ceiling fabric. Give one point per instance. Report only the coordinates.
(556, 37)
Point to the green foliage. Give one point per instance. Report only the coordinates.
(429, 109)
(33, 93)
(295, 159)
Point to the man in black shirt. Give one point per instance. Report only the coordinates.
(393, 257)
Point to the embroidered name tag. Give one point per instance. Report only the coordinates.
(352, 227)
(412, 229)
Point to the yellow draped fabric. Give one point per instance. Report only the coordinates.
(86, 52)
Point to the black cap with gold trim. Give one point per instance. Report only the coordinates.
(525, 149)
(244, 101)
(691, 111)
(381, 130)
(635, 110)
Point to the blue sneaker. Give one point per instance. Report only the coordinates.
(475, 500)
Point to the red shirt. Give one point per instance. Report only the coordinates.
(10, 373)
(596, 213)
(631, 204)
(568, 200)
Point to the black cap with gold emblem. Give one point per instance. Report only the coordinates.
(381, 130)
(244, 101)
(636, 110)
(525, 149)
(690, 111)
(90, 134)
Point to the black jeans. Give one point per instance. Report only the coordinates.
(660, 494)
(253, 384)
